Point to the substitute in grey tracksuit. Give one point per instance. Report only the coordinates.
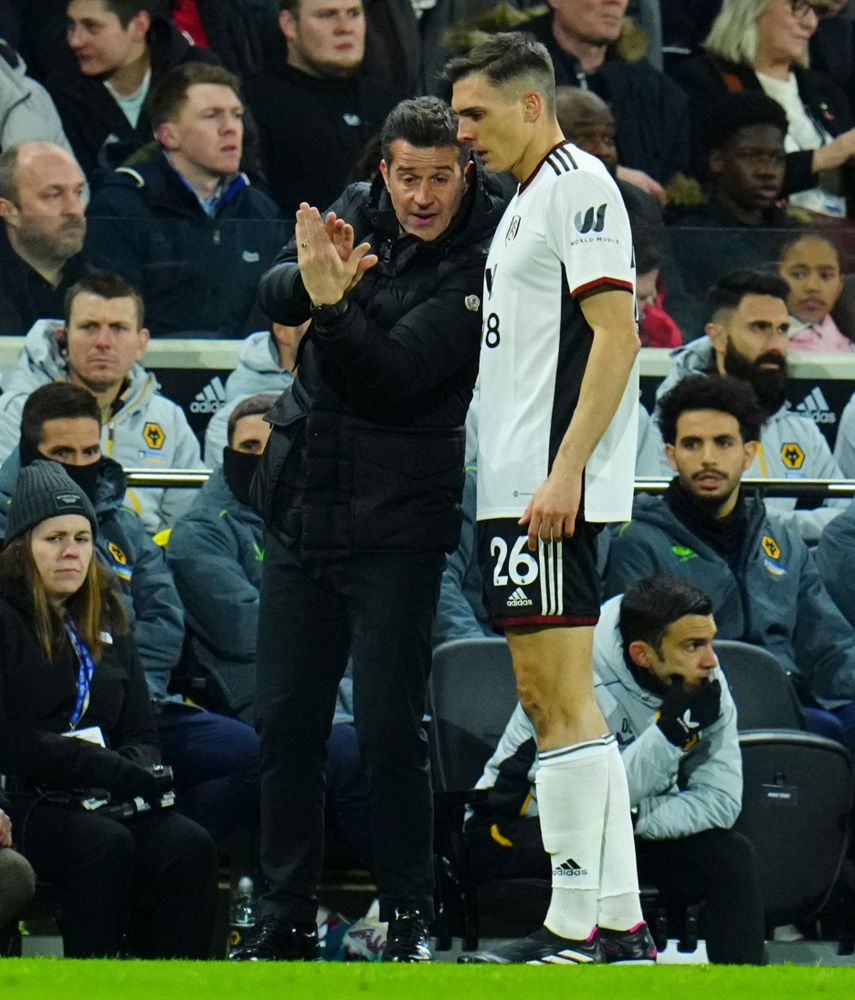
(27, 110)
(684, 802)
(791, 446)
(768, 593)
(142, 430)
(835, 557)
(258, 370)
(148, 592)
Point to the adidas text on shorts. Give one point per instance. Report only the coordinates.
(558, 585)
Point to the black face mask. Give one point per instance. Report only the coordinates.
(85, 476)
(239, 468)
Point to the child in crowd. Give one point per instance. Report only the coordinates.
(811, 266)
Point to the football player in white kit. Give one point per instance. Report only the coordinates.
(557, 432)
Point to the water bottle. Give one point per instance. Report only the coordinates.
(242, 918)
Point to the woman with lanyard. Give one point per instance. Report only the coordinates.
(75, 717)
(763, 45)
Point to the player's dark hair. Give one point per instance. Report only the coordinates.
(654, 603)
(261, 402)
(423, 122)
(170, 94)
(55, 401)
(509, 57)
(733, 288)
(711, 392)
(743, 109)
(106, 285)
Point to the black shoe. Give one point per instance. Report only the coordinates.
(634, 946)
(408, 938)
(541, 948)
(278, 939)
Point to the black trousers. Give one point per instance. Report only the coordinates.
(716, 866)
(378, 609)
(154, 878)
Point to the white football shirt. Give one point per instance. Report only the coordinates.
(564, 235)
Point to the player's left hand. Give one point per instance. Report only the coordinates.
(551, 512)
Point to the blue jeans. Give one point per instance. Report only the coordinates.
(216, 762)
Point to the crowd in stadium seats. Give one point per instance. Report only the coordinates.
(153, 154)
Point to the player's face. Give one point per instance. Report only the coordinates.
(104, 340)
(811, 268)
(326, 38)
(71, 440)
(749, 169)
(598, 22)
(709, 455)
(62, 550)
(98, 40)
(426, 185)
(208, 132)
(491, 120)
(686, 651)
(251, 434)
(48, 218)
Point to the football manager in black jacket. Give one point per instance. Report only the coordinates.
(360, 489)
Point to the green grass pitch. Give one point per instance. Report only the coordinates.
(32, 979)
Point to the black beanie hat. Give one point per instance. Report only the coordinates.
(44, 490)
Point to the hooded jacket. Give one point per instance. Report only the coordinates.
(367, 449)
(257, 370)
(197, 273)
(96, 126)
(148, 592)
(216, 554)
(791, 446)
(676, 793)
(143, 430)
(774, 598)
(26, 109)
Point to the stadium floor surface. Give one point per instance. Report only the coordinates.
(29, 979)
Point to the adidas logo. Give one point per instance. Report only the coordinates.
(569, 869)
(815, 406)
(518, 599)
(211, 398)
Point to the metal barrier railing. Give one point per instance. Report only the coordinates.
(817, 488)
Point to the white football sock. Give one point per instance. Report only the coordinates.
(619, 908)
(572, 787)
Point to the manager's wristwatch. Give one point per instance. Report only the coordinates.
(327, 315)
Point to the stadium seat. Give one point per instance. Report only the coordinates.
(764, 695)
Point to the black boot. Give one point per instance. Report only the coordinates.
(278, 939)
(408, 938)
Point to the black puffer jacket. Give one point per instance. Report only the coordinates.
(367, 449)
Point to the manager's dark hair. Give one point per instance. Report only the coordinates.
(423, 122)
(509, 57)
(652, 604)
(711, 392)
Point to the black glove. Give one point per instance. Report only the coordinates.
(684, 713)
(134, 781)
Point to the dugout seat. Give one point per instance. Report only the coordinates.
(796, 811)
(472, 695)
(764, 694)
